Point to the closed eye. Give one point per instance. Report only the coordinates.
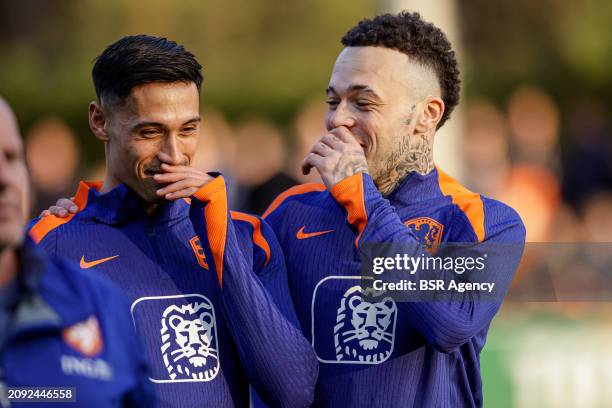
(332, 103)
(363, 105)
(189, 130)
(150, 132)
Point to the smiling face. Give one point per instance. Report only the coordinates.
(383, 98)
(158, 123)
(13, 180)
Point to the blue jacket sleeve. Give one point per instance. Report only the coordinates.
(446, 325)
(278, 360)
(269, 263)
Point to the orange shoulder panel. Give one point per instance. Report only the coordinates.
(50, 222)
(258, 237)
(215, 217)
(349, 193)
(295, 190)
(469, 202)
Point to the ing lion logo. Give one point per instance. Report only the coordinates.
(189, 344)
(365, 327)
(428, 231)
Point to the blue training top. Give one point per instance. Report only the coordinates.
(208, 293)
(72, 329)
(374, 351)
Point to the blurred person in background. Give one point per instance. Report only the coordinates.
(259, 169)
(309, 126)
(216, 149)
(59, 327)
(597, 217)
(515, 159)
(393, 85)
(485, 147)
(52, 155)
(534, 120)
(532, 186)
(208, 290)
(587, 162)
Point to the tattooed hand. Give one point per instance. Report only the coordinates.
(336, 156)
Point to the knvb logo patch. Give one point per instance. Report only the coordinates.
(427, 231)
(85, 337)
(196, 245)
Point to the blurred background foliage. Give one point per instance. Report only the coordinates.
(534, 130)
(265, 57)
(260, 57)
(563, 46)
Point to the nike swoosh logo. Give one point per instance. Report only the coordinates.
(303, 235)
(86, 265)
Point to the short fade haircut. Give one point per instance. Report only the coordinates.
(142, 59)
(422, 41)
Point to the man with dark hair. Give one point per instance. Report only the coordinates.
(208, 289)
(393, 85)
(59, 327)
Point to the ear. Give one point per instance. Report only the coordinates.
(431, 114)
(97, 121)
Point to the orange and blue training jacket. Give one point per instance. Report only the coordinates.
(208, 292)
(374, 350)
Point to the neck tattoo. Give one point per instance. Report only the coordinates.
(414, 154)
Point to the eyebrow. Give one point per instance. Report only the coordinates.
(353, 88)
(157, 124)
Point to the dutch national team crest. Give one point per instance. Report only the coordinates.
(428, 231)
(362, 331)
(85, 337)
(184, 347)
(196, 245)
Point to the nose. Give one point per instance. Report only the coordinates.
(341, 116)
(172, 150)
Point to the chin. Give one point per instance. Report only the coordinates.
(146, 190)
(151, 197)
